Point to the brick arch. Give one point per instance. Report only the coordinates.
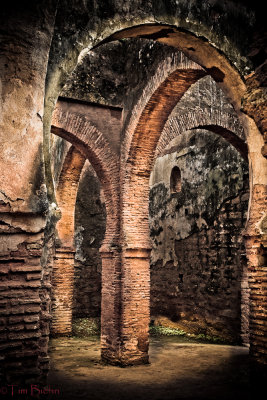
(64, 258)
(173, 29)
(92, 144)
(224, 72)
(66, 195)
(198, 49)
(167, 71)
(223, 124)
(215, 60)
(141, 137)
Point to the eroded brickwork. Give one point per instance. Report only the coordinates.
(25, 279)
(25, 292)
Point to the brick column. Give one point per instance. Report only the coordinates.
(125, 305)
(135, 311)
(110, 304)
(62, 282)
(24, 302)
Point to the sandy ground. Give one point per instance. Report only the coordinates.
(178, 369)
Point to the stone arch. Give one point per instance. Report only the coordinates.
(172, 29)
(178, 32)
(214, 61)
(141, 138)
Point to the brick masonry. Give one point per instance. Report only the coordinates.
(132, 234)
(25, 293)
(38, 52)
(90, 226)
(196, 270)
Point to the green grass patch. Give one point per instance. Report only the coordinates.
(90, 327)
(158, 330)
(85, 327)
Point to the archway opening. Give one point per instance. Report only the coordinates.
(151, 115)
(133, 253)
(213, 62)
(50, 45)
(90, 227)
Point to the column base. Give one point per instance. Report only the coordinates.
(125, 362)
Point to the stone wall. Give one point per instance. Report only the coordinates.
(197, 261)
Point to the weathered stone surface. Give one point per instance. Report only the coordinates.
(197, 260)
(27, 31)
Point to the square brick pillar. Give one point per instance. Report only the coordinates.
(62, 283)
(135, 309)
(125, 306)
(110, 305)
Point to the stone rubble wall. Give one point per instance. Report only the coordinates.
(198, 255)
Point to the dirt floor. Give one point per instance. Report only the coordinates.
(178, 369)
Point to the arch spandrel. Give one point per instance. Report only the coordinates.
(79, 131)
